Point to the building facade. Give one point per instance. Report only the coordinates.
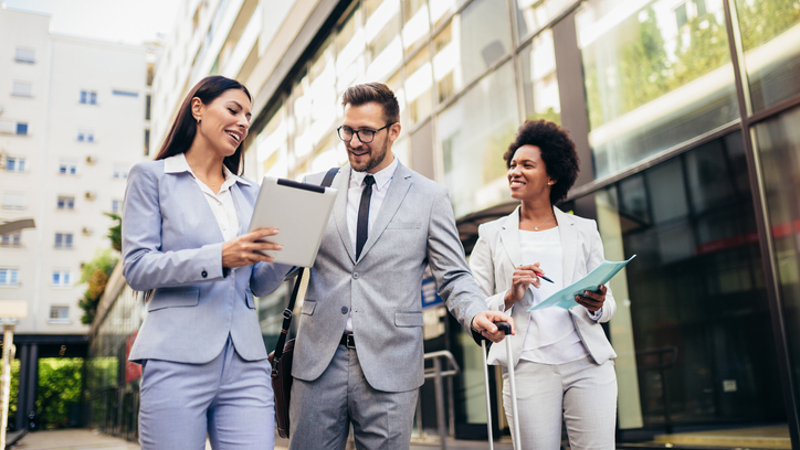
(685, 114)
(73, 121)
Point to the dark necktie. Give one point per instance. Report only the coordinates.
(363, 215)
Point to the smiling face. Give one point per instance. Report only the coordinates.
(224, 122)
(374, 156)
(527, 175)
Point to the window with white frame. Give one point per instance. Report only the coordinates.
(88, 97)
(116, 206)
(67, 167)
(14, 201)
(62, 278)
(63, 240)
(120, 171)
(15, 164)
(65, 202)
(9, 277)
(11, 239)
(25, 55)
(22, 89)
(22, 129)
(85, 135)
(59, 313)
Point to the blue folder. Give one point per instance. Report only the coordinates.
(565, 298)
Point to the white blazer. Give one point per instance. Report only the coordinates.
(496, 255)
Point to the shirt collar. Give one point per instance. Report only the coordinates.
(178, 164)
(382, 178)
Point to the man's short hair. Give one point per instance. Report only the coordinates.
(379, 93)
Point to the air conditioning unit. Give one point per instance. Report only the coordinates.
(86, 231)
(91, 160)
(89, 195)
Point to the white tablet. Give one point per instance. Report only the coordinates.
(299, 211)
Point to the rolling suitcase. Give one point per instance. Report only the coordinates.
(506, 327)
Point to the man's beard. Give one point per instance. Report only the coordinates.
(375, 159)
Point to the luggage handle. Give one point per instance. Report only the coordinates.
(506, 328)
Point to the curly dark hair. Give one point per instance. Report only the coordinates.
(558, 153)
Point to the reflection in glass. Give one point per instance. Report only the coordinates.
(532, 15)
(652, 81)
(382, 33)
(350, 65)
(416, 24)
(778, 142)
(473, 134)
(770, 31)
(539, 81)
(272, 146)
(700, 317)
(419, 86)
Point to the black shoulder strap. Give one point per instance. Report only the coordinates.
(287, 313)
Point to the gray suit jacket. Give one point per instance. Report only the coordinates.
(381, 291)
(496, 255)
(171, 243)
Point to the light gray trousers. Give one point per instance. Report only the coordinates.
(229, 399)
(321, 411)
(582, 392)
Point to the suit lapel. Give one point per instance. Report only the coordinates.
(510, 238)
(568, 233)
(342, 183)
(239, 203)
(398, 187)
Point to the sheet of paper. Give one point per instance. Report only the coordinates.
(565, 298)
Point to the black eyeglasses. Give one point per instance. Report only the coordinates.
(365, 135)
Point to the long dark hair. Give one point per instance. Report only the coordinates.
(183, 129)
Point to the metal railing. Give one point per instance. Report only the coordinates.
(438, 372)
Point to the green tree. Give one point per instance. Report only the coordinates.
(760, 21)
(707, 50)
(59, 390)
(95, 273)
(115, 231)
(644, 66)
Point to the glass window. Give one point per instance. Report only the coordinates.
(88, 97)
(85, 136)
(778, 142)
(11, 239)
(120, 171)
(65, 202)
(350, 64)
(539, 81)
(67, 167)
(15, 164)
(116, 206)
(272, 146)
(322, 99)
(63, 240)
(532, 15)
(416, 24)
(382, 31)
(473, 134)
(22, 89)
(650, 83)
(24, 55)
(22, 128)
(419, 86)
(61, 278)
(692, 327)
(770, 30)
(470, 44)
(59, 314)
(13, 201)
(9, 277)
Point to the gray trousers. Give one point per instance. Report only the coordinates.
(228, 399)
(322, 410)
(582, 392)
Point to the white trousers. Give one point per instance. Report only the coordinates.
(582, 392)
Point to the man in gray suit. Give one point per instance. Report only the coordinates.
(359, 351)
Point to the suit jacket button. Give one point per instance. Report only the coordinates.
(204, 274)
(344, 309)
(355, 275)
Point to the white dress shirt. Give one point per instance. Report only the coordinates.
(221, 203)
(382, 181)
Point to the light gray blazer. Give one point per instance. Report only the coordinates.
(496, 255)
(381, 291)
(171, 243)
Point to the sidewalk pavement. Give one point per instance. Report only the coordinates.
(82, 439)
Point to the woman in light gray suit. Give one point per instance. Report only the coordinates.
(562, 358)
(184, 222)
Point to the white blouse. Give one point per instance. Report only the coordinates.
(551, 337)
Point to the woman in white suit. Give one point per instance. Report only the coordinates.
(185, 240)
(563, 361)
